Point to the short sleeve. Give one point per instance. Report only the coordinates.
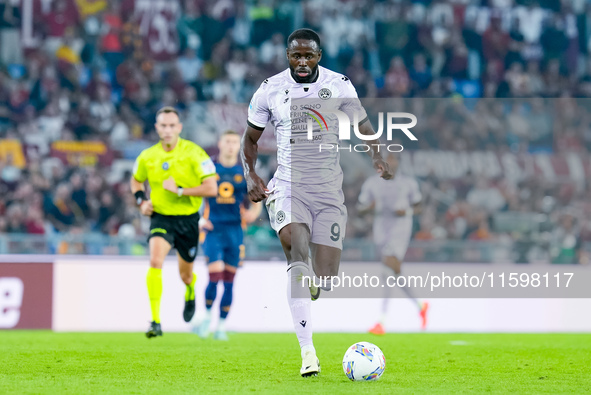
(258, 109)
(366, 197)
(139, 169)
(415, 195)
(204, 166)
(351, 104)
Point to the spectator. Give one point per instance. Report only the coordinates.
(274, 48)
(79, 197)
(10, 22)
(485, 196)
(189, 66)
(62, 211)
(420, 73)
(495, 43)
(397, 82)
(102, 110)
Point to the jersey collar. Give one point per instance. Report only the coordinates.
(178, 143)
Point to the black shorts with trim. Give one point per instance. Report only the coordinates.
(181, 231)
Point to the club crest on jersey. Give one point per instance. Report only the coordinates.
(165, 166)
(324, 93)
(280, 216)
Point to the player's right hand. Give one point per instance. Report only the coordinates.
(205, 224)
(257, 190)
(146, 208)
(382, 168)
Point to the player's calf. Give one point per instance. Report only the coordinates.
(225, 304)
(189, 310)
(210, 295)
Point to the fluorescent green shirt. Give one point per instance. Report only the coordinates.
(187, 163)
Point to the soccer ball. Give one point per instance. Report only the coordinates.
(364, 361)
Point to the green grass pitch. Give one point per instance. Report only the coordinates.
(43, 362)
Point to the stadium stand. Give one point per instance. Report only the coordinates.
(80, 81)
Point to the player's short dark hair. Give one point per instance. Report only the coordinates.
(167, 110)
(304, 34)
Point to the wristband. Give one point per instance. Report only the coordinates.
(179, 191)
(140, 196)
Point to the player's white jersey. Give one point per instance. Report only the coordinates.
(288, 105)
(389, 196)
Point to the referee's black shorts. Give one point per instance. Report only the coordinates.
(181, 231)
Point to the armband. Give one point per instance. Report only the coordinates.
(140, 196)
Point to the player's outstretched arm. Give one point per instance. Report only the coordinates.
(379, 164)
(257, 190)
(208, 187)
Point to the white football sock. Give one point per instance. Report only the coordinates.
(324, 284)
(222, 325)
(298, 297)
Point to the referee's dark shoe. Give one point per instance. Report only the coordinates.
(189, 310)
(155, 330)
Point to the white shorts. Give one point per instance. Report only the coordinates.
(393, 240)
(324, 213)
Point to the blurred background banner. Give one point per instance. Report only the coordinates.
(79, 301)
(26, 293)
(500, 90)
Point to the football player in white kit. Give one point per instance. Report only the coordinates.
(305, 197)
(393, 202)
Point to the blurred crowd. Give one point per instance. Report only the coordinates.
(81, 70)
(527, 221)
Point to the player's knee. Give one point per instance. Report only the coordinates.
(228, 276)
(187, 278)
(156, 263)
(214, 277)
(285, 238)
(327, 271)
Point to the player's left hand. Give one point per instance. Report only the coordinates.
(382, 167)
(400, 213)
(249, 217)
(205, 224)
(170, 185)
